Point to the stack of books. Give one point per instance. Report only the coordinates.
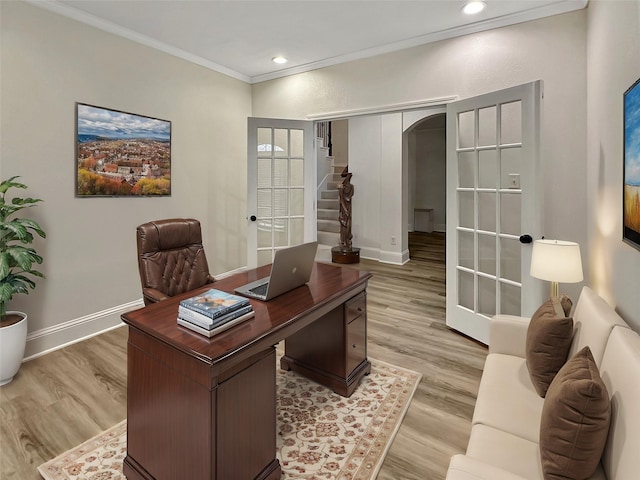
(213, 311)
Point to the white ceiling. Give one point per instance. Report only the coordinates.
(240, 37)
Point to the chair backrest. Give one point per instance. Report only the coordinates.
(171, 257)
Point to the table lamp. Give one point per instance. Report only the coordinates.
(556, 261)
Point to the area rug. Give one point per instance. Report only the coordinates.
(321, 435)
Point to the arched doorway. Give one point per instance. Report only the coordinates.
(425, 142)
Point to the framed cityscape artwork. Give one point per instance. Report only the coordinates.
(120, 154)
(631, 195)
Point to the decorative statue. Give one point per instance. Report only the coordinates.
(345, 191)
(345, 252)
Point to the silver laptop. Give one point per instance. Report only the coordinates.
(291, 268)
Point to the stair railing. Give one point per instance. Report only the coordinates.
(323, 130)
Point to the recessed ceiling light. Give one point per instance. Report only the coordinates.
(471, 8)
(279, 60)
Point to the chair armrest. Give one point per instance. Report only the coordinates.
(508, 335)
(151, 295)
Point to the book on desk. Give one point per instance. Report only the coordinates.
(213, 311)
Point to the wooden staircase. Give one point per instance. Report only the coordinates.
(329, 209)
(328, 203)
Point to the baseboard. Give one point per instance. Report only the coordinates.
(395, 258)
(53, 338)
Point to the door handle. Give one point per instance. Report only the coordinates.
(526, 238)
(253, 218)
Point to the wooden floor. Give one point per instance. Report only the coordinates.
(61, 399)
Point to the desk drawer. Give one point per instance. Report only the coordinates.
(356, 343)
(356, 307)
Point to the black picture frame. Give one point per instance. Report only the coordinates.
(121, 154)
(631, 166)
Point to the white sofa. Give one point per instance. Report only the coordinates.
(506, 422)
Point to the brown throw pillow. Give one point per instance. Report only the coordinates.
(575, 420)
(566, 304)
(547, 345)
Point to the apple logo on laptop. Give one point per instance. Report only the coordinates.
(293, 271)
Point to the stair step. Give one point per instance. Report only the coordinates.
(329, 238)
(329, 204)
(328, 213)
(328, 226)
(329, 194)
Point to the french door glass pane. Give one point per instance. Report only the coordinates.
(487, 126)
(264, 233)
(264, 172)
(264, 203)
(297, 143)
(487, 169)
(264, 140)
(511, 123)
(465, 204)
(509, 165)
(466, 129)
(297, 172)
(281, 142)
(297, 201)
(510, 213)
(280, 172)
(486, 296)
(281, 232)
(465, 289)
(487, 254)
(466, 169)
(281, 202)
(487, 211)
(465, 249)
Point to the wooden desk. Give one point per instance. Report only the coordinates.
(200, 408)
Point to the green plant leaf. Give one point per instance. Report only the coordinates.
(6, 292)
(16, 259)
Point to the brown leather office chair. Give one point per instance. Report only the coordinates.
(171, 258)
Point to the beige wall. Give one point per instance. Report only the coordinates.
(613, 56)
(49, 62)
(551, 49)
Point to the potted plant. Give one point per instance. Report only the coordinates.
(17, 259)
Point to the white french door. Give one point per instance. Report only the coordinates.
(493, 207)
(280, 187)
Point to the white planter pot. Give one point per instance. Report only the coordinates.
(13, 340)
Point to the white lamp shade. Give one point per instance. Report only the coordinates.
(556, 261)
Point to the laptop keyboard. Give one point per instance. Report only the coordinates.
(260, 289)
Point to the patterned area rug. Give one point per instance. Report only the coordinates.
(321, 435)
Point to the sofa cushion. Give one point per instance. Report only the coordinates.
(505, 450)
(463, 467)
(593, 320)
(619, 371)
(548, 341)
(575, 420)
(506, 397)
